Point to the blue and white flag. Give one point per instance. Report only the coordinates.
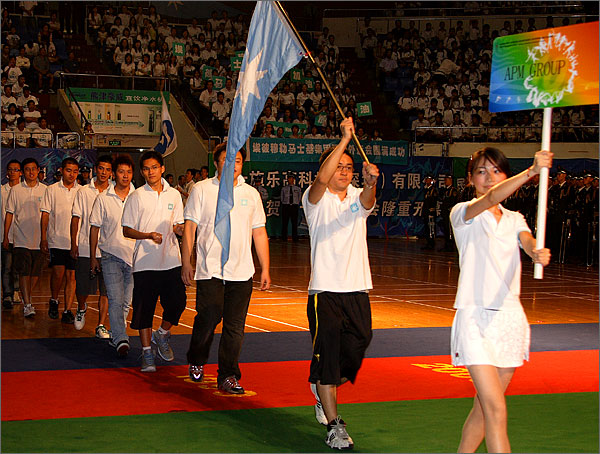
(272, 49)
(168, 139)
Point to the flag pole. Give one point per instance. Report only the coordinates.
(323, 78)
(540, 233)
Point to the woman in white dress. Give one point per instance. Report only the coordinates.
(490, 333)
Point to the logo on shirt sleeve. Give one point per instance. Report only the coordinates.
(244, 202)
(170, 206)
(354, 207)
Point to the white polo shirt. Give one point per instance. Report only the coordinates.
(58, 202)
(24, 204)
(5, 192)
(106, 214)
(338, 243)
(247, 214)
(148, 211)
(489, 258)
(82, 207)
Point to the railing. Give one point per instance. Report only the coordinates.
(112, 81)
(490, 8)
(437, 134)
(9, 137)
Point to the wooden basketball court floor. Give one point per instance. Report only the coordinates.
(411, 288)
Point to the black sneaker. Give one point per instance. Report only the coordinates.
(196, 372)
(7, 303)
(230, 385)
(123, 349)
(53, 309)
(68, 317)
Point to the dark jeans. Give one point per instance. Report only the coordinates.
(215, 300)
(289, 212)
(8, 277)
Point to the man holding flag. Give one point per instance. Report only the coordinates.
(226, 279)
(339, 312)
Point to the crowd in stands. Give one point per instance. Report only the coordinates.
(442, 80)
(440, 75)
(32, 53)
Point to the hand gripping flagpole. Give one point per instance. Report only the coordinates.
(323, 78)
(540, 234)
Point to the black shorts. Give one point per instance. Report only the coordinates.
(83, 284)
(340, 328)
(148, 286)
(27, 262)
(62, 257)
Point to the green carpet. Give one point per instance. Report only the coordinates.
(548, 423)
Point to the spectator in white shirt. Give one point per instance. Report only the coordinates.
(31, 115)
(42, 136)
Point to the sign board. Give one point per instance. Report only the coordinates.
(236, 63)
(179, 49)
(364, 109)
(119, 112)
(555, 67)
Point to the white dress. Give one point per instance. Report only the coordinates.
(490, 326)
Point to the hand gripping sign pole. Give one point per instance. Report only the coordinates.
(546, 69)
(323, 78)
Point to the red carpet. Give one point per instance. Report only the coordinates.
(126, 391)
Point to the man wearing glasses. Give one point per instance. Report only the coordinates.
(153, 216)
(339, 312)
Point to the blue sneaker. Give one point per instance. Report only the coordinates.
(148, 361)
(162, 342)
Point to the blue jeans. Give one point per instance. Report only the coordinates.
(119, 290)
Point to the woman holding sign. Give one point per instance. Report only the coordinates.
(490, 333)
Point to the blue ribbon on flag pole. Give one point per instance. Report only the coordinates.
(272, 49)
(168, 139)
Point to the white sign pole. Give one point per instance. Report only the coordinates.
(540, 234)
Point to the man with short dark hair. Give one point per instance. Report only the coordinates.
(13, 173)
(223, 292)
(23, 209)
(339, 312)
(117, 251)
(56, 236)
(152, 216)
(87, 281)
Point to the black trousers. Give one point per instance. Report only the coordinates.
(289, 212)
(215, 300)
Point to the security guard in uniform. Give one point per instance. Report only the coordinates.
(429, 212)
(449, 198)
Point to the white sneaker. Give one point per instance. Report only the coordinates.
(319, 412)
(102, 332)
(28, 310)
(80, 319)
(337, 437)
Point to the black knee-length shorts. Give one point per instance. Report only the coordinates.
(340, 328)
